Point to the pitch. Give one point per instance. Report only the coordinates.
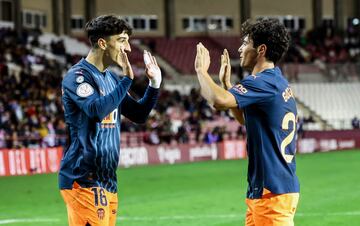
(204, 193)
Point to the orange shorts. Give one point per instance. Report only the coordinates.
(272, 209)
(90, 206)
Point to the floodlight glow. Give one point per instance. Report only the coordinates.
(355, 21)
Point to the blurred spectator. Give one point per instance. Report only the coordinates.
(355, 123)
(210, 137)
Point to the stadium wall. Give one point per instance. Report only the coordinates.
(302, 8)
(185, 8)
(206, 8)
(135, 8)
(41, 7)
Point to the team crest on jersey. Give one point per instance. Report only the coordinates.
(84, 90)
(101, 213)
(80, 79)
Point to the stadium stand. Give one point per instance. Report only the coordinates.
(337, 103)
(32, 66)
(181, 55)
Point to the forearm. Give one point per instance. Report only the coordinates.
(149, 100)
(236, 112)
(213, 93)
(138, 111)
(101, 107)
(226, 85)
(238, 115)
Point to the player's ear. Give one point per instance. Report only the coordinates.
(261, 49)
(102, 43)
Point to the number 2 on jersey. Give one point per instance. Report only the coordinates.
(289, 117)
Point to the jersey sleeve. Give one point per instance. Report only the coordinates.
(79, 87)
(252, 90)
(138, 111)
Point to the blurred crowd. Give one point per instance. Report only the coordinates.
(335, 53)
(31, 114)
(30, 100)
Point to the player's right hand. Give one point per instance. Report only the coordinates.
(225, 70)
(123, 61)
(152, 70)
(202, 59)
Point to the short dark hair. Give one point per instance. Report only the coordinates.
(269, 32)
(105, 26)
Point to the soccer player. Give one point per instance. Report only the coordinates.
(265, 101)
(93, 99)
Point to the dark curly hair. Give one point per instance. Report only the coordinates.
(105, 26)
(269, 32)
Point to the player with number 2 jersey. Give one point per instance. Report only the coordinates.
(265, 102)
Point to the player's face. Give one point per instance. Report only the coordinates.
(248, 54)
(116, 43)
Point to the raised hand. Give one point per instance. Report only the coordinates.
(225, 70)
(202, 59)
(152, 70)
(123, 61)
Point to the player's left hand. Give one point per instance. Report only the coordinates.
(202, 59)
(225, 70)
(123, 61)
(152, 70)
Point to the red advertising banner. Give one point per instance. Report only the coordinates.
(170, 154)
(232, 149)
(29, 161)
(167, 154)
(329, 140)
(47, 160)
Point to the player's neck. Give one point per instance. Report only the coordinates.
(261, 66)
(96, 59)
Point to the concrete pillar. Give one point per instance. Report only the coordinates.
(55, 10)
(357, 8)
(67, 16)
(169, 8)
(245, 10)
(317, 13)
(339, 19)
(90, 10)
(16, 14)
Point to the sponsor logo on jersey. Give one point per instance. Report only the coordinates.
(110, 120)
(79, 72)
(240, 89)
(84, 90)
